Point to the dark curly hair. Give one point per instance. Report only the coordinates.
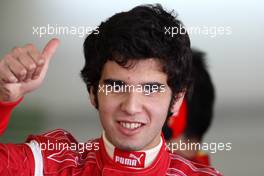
(200, 101)
(135, 35)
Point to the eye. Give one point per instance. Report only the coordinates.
(114, 86)
(151, 88)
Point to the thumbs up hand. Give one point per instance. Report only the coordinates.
(23, 70)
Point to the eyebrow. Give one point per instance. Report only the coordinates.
(121, 82)
(111, 81)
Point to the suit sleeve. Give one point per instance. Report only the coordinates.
(6, 109)
(16, 159)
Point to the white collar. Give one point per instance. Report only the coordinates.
(151, 154)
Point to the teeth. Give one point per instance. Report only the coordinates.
(130, 125)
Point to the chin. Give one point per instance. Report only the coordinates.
(130, 147)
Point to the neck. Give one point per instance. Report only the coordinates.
(135, 159)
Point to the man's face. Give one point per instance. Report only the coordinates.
(133, 119)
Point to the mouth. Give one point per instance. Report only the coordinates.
(131, 125)
(130, 128)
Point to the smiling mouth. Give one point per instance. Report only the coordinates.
(131, 125)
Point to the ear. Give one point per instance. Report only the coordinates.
(177, 104)
(92, 97)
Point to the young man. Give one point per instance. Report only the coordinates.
(191, 122)
(132, 69)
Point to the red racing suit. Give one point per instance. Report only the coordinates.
(36, 158)
(177, 123)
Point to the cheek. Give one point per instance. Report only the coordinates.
(107, 106)
(158, 110)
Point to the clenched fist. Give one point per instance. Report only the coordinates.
(23, 70)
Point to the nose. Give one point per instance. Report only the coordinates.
(132, 103)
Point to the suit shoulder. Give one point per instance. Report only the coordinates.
(181, 165)
(59, 135)
(61, 152)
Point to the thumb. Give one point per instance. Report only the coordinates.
(50, 48)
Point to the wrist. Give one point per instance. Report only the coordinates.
(5, 99)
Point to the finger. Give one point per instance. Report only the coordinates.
(29, 64)
(50, 48)
(16, 51)
(38, 59)
(6, 75)
(47, 53)
(22, 56)
(33, 52)
(38, 70)
(16, 67)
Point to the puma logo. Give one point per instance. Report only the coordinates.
(132, 160)
(135, 157)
